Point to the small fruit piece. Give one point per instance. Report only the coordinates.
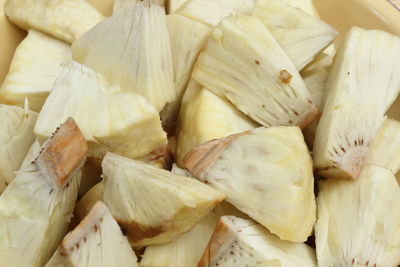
(16, 137)
(33, 70)
(152, 205)
(211, 12)
(244, 63)
(66, 20)
(35, 209)
(240, 242)
(359, 221)
(132, 50)
(86, 203)
(301, 35)
(362, 85)
(110, 118)
(96, 242)
(201, 107)
(265, 173)
(385, 148)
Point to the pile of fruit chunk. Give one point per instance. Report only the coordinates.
(189, 133)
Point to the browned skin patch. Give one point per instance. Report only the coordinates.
(203, 156)
(285, 76)
(137, 231)
(215, 244)
(313, 114)
(64, 153)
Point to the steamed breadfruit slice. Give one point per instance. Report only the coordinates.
(359, 221)
(211, 12)
(205, 116)
(265, 173)
(96, 242)
(35, 209)
(301, 35)
(187, 37)
(241, 242)
(66, 20)
(243, 62)
(86, 203)
(33, 70)
(152, 205)
(16, 137)
(132, 50)
(362, 84)
(110, 118)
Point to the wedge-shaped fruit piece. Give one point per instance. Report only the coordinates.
(363, 83)
(110, 119)
(36, 207)
(96, 242)
(189, 247)
(16, 137)
(359, 221)
(153, 206)
(205, 116)
(174, 5)
(86, 203)
(121, 4)
(304, 5)
(243, 62)
(265, 173)
(132, 50)
(66, 20)
(187, 38)
(242, 242)
(385, 148)
(301, 35)
(35, 66)
(211, 12)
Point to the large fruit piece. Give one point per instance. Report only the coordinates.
(36, 207)
(205, 116)
(239, 242)
(110, 118)
(66, 20)
(359, 221)
(132, 50)
(96, 242)
(244, 63)
(16, 137)
(363, 83)
(33, 70)
(265, 173)
(152, 205)
(301, 35)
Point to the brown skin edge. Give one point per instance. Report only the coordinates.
(313, 115)
(137, 231)
(63, 154)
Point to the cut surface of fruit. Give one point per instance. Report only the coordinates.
(363, 83)
(86, 203)
(174, 5)
(301, 35)
(385, 148)
(16, 137)
(132, 50)
(241, 242)
(359, 221)
(211, 12)
(265, 173)
(205, 116)
(33, 70)
(110, 118)
(187, 37)
(36, 207)
(189, 247)
(304, 5)
(152, 205)
(96, 242)
(243, 62)
(120, 4)
(66, 20)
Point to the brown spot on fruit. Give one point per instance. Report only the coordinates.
(285, 76)
(257, 62)
(137, 231)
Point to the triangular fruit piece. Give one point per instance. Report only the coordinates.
(96, 242)
(152, 205)
(265, 173)
(35, 209)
